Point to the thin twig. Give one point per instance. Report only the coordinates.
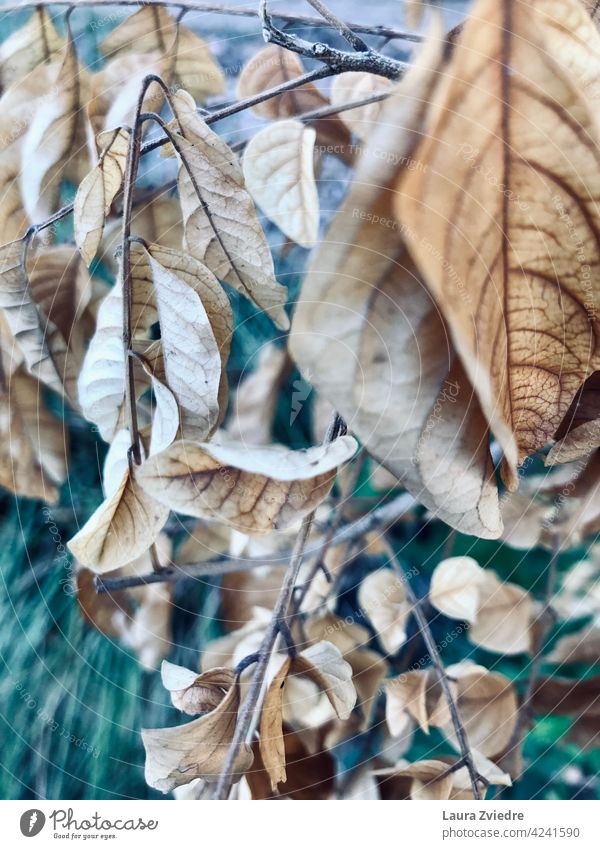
(247, 710)
(220, 9)
(338, 60)
(344, 30)
(436, 660)
(379, 518)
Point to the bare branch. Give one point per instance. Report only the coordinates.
(220, 9)
(339, 61)
(343, 28)
(436, 661)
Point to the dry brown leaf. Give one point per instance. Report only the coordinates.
(567, 697)
(190, 63)
(198, 749)
(383, 598)
(34, 442)
(310, 770)
(102, 610)
(60, 285)
(323, 664)
(192, 359)
(503, 224)
(55, 145)
(582, 646)
(127, 522)
(98, 190)
(504, 618)
(362, 295)
(221, 226)
(359, 85)
(35, 43)
(417, 694)
(279, 173)
(488, 707)
(22, 315)
(578, 444)
(192, 693)
(254, 489)
(455, 588)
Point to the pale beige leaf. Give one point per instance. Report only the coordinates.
(382, 596)
(279, 173)
(191, 355)
(254, 489)
(504, 225)
(272, 747)
(324, 664)
(504, 617)
(221, 226)
(97, 192)
(101, 383)
(55, 145)
(404, 695)
(488, 707)
(127, 522)
(33, 44)
(198, 749)
(455, 587)
(364, 308)
(192, 693)
(359, 85)
(22, 315)
(60, 285)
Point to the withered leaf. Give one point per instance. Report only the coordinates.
(504, 616)
(98, 190)
(455, 587)
(35, 43)
(126, 523)
(503, 223)
(363, 295)
(193, 693)
(279, 173)
(221, 226)
(197, 749)
(22, 315)
(359, 85)
(254, 489)
(383, 598)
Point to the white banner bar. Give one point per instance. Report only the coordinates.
(167, 824)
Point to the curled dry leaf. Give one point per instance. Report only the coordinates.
(127, 522)
(198, 749)
(189, 62)
(417, 694)
(97, 191)
(101, 385)
(191, 354)
(359, 85)
(577, 444)
(35, 43)
(192, 693)
(498, 251)
(488, 707)
(455, 587)
(33, 441)
(254, 489)
(365, 326)
(504, 617)
(22, 315)
(383, 598)
(55, 145)
(221, 226)
(322, 663)
(279, 172)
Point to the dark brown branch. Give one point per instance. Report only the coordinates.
(220, 9)
(380, 518)
(436, 660)
(339, 61)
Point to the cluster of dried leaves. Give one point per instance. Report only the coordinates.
(449, 315)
